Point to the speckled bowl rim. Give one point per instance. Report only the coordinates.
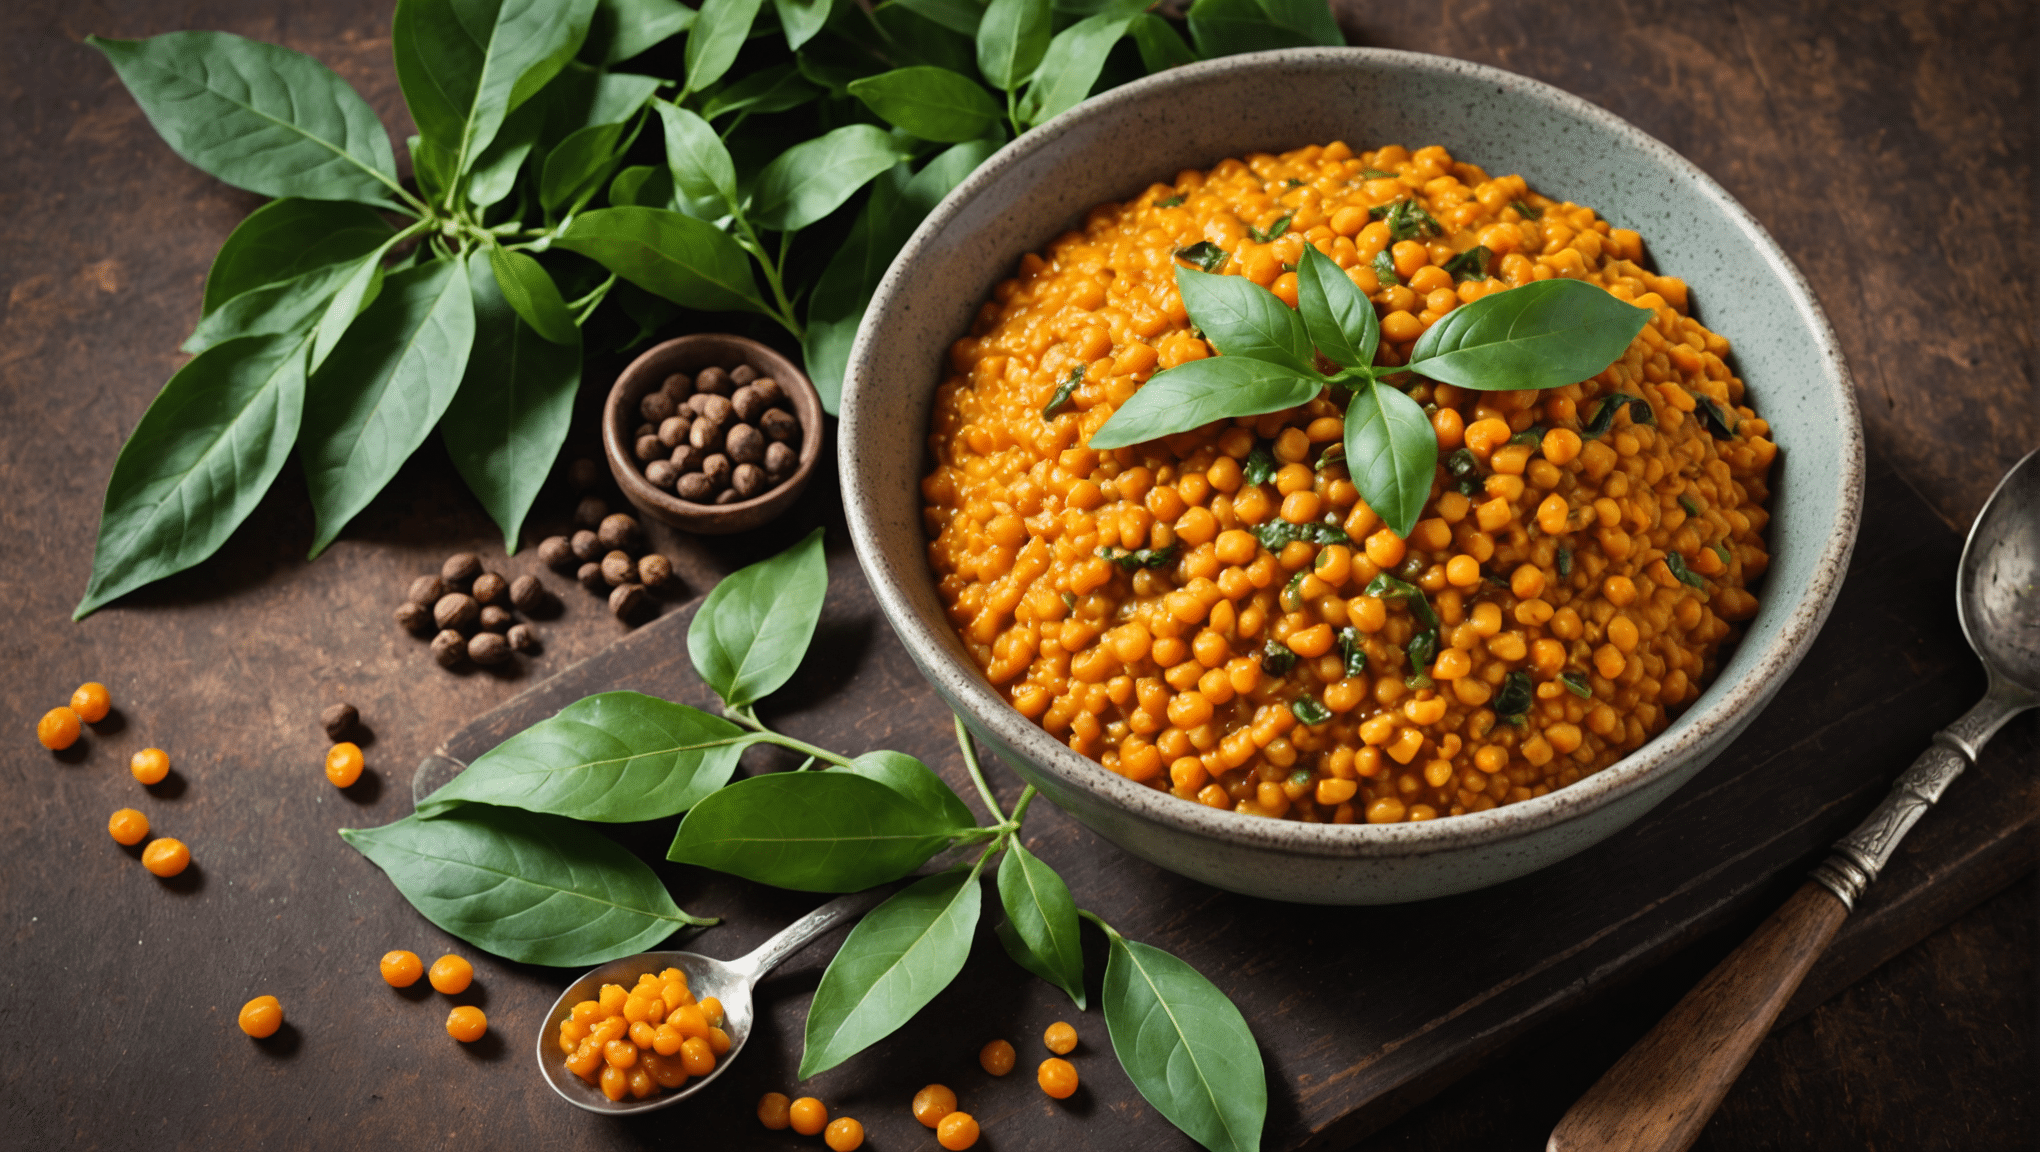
(1693, 734)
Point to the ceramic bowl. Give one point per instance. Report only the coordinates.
(690, 354)
(1112, 148)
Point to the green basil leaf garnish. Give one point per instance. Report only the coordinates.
(1685, 575)
(1512, 703)
(1604, 414)
(1384, 269)
(1689, 505)
(1386, 587)
(1337, 315)
(1172, 202)
(1564, 560)
(1278, 534)
(1274, 232)
(1309, 710)
(1531, 437)
(1545, 334)
(1063, 392)
(1201, 391)
(1407, 220)
(749, 635)
(1260, 466)
(1576, 683)
(1391, 454)
(1721, 424)
(1139, 557)
(1205, 255)
(1352, 651)
(1720, 550)
(1291, 596)
(1244, 320)
(1527, 212)
(1422, 650)
(1471, 264)
(1277, 658)
(1377, 174)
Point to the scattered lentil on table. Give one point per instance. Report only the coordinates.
(1057, 1077)
(957, 1131)
(166, 857)
(150, 765)
(1060, 1038)
(401, 969)
(261, 1017)
(932, 1103)
(467, 1024)
(1585, 562)
(343, 764)
(128, 827)
(91, 702)
(996, 1057)
(59, 728)
(451, 974)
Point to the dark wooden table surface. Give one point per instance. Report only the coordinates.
(1889, 147)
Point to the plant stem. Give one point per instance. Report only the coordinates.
(771, 269)
(1027, 796)
(592, 300)
(977, 773)
(802, 747)
(745, 715)
(1087, 914)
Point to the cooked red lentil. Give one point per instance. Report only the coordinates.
(1559, 555)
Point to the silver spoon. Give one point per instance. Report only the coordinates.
(1659, 1096)
(729, 981)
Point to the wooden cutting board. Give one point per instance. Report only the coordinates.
(1360, 1012)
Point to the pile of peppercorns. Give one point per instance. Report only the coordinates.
(604, 553)
(717, 437)
(467, 611)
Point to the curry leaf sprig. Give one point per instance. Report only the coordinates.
(558, 205)
(500, 857)
(1545, 334)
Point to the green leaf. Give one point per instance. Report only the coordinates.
(1071, 66)
(532, 293)
(920, 40)
(1185, 1047)
(364, 282)
(371, 404)
(582, 160)
(811, 831)
(1063, 391)
(258, 116)
(1160, 47)
(959, 16)
(495, 170)
(287, 238)
(1471, 264)
(464, 65)
(1205, 255)
(1386, 587)
(287, 307)
(812, 179)
(1012, 37)
(620, 29)
(1195, 394)
(690, 262)
(1512, 703)
(929, 102)
(643, 186)
(616, 757)
(914, 780)
(1040, 932)
(506, 423)
(433, 168)
(528, 887)
(583, 97)
(749, 635)
(773, 89)
(895, 961)
(712, 43)
(1545, 334)
(204, 453)
(801, 19)
(1223, 27)
(1339, 317)
(1242, 319)
(1391, 453)
(703, 173)
(1310, 19)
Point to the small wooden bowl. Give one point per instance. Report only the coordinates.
(690, 354)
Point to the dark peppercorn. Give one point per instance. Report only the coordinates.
(626, 600)
(747, 404)
(522, 638)
(338, 720)
(489, 588)
(414, 617)
(426, 590)
(717, 469)
(584, 474)
(747, 480)
(706, 436)
(673, 432)
(649, 448)
(449, 648)
(694, 486)
(555, 552)
(713, 409)
(488, 648)
(768, 390)
(590, 511)
(780, 460)
(654, 570)
(495, 618)
(656, 406)
(527, 594)
(661, 474)
(745, 445)
(743, 374)
(679, 386)
(617, 531)
(460, 568)
(590, 577)
(712, 381)
(617, 568)
(779, 424)
(727, 496)
(587, 546)
(687, 458)
(456, 611)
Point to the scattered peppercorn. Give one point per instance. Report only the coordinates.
(460, 568)
(584, 474)
(590, 511)
(996, 1057)
(1060, 1038)
(128, 827)
(590, 576)
(166, 857)
(261, 1017)
(527, 594)
(401, 969)
(466, 1024)
(1057, 1077)
(91, 702)
(59, 728)
(522, 638)
(555, 552)
(586, 545)
(413, 617)
(456, 611)
(451, 974)
(654, 570)
(338, 720)
(488, 648)
(426, 591)
(618, 531)
(626, 600)
(618, 568)
(343, 764)
(932, 1103)
(449, 648)
(150, 765)
(495, 618)
(489, 588)
(958, 1130)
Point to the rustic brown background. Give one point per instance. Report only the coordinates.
(1889, 147)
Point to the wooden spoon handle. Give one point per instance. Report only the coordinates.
(1659, 1096)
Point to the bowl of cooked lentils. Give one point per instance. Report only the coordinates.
(1207, 645)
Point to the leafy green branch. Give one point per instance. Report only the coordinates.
(500, 856)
